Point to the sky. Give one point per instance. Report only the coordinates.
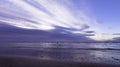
(56, 20)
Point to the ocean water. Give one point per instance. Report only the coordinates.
(108, 53)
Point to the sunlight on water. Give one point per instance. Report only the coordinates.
(63, 45)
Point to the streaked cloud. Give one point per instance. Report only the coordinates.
(116, 34)
(49, 15)
(27, 14)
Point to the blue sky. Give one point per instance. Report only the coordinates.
(108, 13)
(81, 20)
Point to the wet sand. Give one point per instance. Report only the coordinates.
(19, 61)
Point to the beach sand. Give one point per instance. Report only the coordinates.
(19, 61)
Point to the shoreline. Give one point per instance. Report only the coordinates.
(26, 61)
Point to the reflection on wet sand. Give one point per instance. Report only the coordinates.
(19, 61)
(57, 52)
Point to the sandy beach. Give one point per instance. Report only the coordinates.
(44, 55)
(19, 61)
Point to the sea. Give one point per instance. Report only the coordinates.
(108, 53)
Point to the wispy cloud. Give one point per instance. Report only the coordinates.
(49, 15)
(34, 14)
